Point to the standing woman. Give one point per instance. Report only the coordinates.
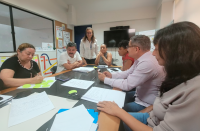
(20, 69)
(88, 47)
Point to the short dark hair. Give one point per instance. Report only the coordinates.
(179, 46)
(142, 41)
(123, 43)
(71, 44)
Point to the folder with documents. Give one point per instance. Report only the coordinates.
(47, 126)
(84, 69)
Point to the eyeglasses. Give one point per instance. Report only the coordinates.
(132, 46)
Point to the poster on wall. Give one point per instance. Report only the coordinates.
(66, 36)
(60, 44)
(47, 46)
(58, 32)
(63, 26)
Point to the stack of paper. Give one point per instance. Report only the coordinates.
(75, 119)
(96, 94)
(84, 69)
(4, 97)
(46, 83)
(29, 107)
(82, 84)
(92, 113)
(102, 66)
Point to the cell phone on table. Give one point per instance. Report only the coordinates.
(114, 69)
(63, 78)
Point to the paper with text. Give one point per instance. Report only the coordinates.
(29, 107)
(96, 94)
(82, 84)
(75, 119)
(84, 69)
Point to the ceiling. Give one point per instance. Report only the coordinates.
(89, 6)
(110, 5)
(17, 14)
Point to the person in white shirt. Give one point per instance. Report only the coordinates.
(89, 47)
(69, 59)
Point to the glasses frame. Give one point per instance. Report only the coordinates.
(132, 46)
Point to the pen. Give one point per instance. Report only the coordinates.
(93, 78)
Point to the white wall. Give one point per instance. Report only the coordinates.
(167, 13)
(139, 25)
(158, 17)
(187, 10)
(53, 9)
(95, 17)
(164, 14)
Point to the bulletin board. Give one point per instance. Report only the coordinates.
(59, 39)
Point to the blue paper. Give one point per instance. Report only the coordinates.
(91, 112)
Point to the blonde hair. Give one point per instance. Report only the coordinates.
(23, 46)
(85, 37)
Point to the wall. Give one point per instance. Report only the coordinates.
(164, 14)
(187, 10)
(139, 25)
(158, 17)
(167, 13)
(54, 9)
(96, 17)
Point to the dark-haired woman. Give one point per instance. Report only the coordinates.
(177, 48)
(89, 47)
(20, 69)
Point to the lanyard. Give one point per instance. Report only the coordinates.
(91, 46)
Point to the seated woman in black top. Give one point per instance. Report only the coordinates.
(20, 69)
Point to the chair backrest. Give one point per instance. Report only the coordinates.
(113, 62)
(53, 69)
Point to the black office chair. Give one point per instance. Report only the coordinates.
(53, 69)
(113, 62)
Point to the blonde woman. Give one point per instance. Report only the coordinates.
(20, 69)
(88, 47)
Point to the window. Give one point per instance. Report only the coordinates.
(6, 41)
(27, 27)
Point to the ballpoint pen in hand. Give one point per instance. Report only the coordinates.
(93, 78)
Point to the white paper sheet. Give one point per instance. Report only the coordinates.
(75, 119)
(47, 83)
(29, 107)
(60, 45)
(84, 69)
(82, 84)
(47, 46)
(96, 94)
(58, 32)
(66, 36)
(93, 127)
(5, 97)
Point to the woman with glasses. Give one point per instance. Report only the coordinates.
(88, 47)
(177, 48)
(20, 69)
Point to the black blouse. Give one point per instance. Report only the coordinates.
(13, 63)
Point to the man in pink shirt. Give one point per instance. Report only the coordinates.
(146, 75)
